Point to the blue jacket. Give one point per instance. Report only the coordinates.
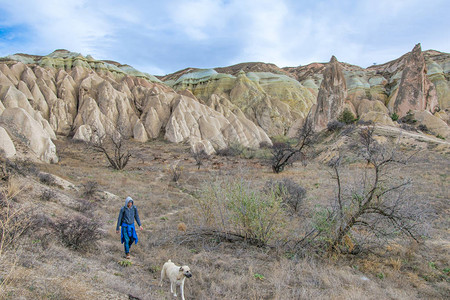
(128, 215)
(130, 231)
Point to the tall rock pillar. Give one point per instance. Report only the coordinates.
(415, 91)
(332, 94)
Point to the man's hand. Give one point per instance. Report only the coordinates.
(117, 231)
(142, 228)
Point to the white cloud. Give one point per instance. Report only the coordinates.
(170, 35)
(198, 19)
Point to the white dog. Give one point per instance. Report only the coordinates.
(176, 275)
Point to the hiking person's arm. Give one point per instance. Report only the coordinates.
(136, 216)
(118, 220)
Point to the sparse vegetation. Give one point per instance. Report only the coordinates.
(234, 208)
(90, 187)
(48, 195)
(14, 222)
(175, 170)
(284, 154)
(292, 193)
(200, 157)
(335, 125)
(394, 116)
(79, 232)
(234, 149)
(408, 119)
(377, 206)
(347, 117)
(293, 262)
(119, 156)
(125, 263)
(46, 178)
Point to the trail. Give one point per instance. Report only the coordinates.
(416, 136)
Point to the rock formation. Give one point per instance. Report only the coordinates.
(66, 93)
(24, 127)
(415, 91)
(6, 144)
(332, 94)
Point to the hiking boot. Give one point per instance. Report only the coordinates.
(128, 256)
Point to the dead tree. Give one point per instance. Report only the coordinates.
(118, 157)
(199, 157)
(284, 154)
(377, 204)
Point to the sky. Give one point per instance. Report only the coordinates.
(162, 37)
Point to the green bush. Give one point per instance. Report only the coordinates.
(235, 207)
(347, 117)
(394, 117)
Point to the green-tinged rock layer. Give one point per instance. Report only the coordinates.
(66, 60)
(273, 101)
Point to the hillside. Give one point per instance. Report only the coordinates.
(42, 264)
(360, 212)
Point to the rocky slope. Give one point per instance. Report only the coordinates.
(417, 81)
(65, 93)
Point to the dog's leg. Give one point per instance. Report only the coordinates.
(182, 290)
(163, 275)
(171, 288)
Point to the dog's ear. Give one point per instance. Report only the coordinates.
(181, 269)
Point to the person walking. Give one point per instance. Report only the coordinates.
(127, 215)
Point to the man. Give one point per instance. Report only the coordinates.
(127, 215)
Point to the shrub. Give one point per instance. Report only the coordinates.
(78, 232)
(375, 207)
(48, 195)
(46, 178)
(335, 125)
(264, 145)
(394, 116)
(175, 171)
(14, 221)
(284, 154)
(408, 119)
(84, 206)
(234, 149)
(423, 127)
(347, 117)
(290, 192)
(234, 207)
(90, 188)
(118, 157)
(199, 157)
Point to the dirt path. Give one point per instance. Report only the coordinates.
(417, 136)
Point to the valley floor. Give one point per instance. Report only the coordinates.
(41, 266)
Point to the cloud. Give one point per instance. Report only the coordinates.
(165, 36)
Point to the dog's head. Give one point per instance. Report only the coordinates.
(186, 271)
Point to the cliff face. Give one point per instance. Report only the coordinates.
(274, 101)
(264, 93)
(332, 94)
(65, 93)
(415, 90)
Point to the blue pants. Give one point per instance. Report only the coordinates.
(127, 243)
(128, 236)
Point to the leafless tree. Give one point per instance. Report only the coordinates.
(199, 157)
(284, 154)
(118, 157)
(377, 205)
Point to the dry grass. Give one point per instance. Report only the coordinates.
(46, 269)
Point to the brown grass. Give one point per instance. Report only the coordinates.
(48, 270)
